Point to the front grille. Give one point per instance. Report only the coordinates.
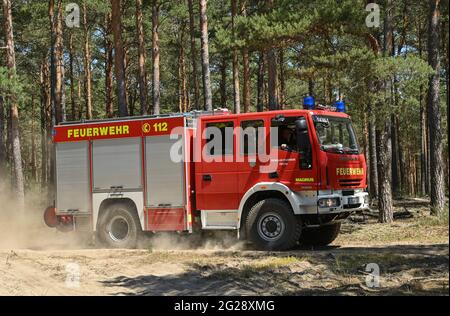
(350, 182)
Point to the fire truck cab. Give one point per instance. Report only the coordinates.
(276, 178)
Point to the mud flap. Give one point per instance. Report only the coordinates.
(50, 218)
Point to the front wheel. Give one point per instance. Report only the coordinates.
(271, 225)
(320, 236)
(119, 227)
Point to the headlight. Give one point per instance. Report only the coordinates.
(329, 202)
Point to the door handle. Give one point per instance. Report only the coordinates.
(207, 177)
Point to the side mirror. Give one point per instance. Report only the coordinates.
(303, 143)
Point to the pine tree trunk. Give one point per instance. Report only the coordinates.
(272, 79)
(373, 160)
(182, 91)
(116, 23)
(236, 84)
(446, 62)
(311, 87)
(282, 80)
(54, 104)
(3, 173)
(236, 89)
(71, 78)
(142, 75)
(79, 96)
(423, 127)
(109, 61)
(206, 76)
(33, 156)
(18, 181)
(401, 157)
(423, 147)
(156, 58)
(260, 84)
(223, 82)
(365, 144)
(246, 84)
(246, 68)
(194, 55)
(128, 96)
(87, 66)
(437, 194)
(59, 81)
(396, 184)
(51, 14)
(45, 120)
(384, 137)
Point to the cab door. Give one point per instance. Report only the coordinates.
(296, 165)
(216, 175)
(252, 153)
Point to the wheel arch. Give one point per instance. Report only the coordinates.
(102, 202)
(260, 192)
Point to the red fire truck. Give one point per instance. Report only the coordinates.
(121, 178)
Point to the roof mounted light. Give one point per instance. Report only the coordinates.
(340, 106)
(308, 103)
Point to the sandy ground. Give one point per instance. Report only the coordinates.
(412, 256)
(405, 270)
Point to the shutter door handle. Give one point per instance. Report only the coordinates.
(207, 177)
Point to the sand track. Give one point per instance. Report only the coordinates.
(406, 269)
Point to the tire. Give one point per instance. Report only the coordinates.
(271, 225)
(119, 227)
(320, 236)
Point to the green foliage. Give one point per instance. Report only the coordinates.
(11, 86)
(325, 44)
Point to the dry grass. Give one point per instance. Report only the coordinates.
(421, 228)
(272, 263)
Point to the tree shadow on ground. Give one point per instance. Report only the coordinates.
(327, 272)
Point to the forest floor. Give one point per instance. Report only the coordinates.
(412, 255)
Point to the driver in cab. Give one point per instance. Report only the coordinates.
(287, 139)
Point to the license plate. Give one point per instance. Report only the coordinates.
(353, 200)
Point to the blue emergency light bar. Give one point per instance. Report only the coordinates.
(308, 103)
(340, 106)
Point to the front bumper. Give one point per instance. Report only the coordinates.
(349, 201)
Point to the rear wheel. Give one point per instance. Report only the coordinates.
(320, 236)
(271, 225)
(119, 227)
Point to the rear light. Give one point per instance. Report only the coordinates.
(65, 219)
(329, 202)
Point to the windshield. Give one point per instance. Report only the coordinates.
(336, 134)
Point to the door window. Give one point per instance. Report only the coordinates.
(252, 137)
(219, 138)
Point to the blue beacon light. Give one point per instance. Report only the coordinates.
(340, 106)
(308, 103)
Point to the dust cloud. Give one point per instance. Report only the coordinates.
(209, 240)
(25, 229)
